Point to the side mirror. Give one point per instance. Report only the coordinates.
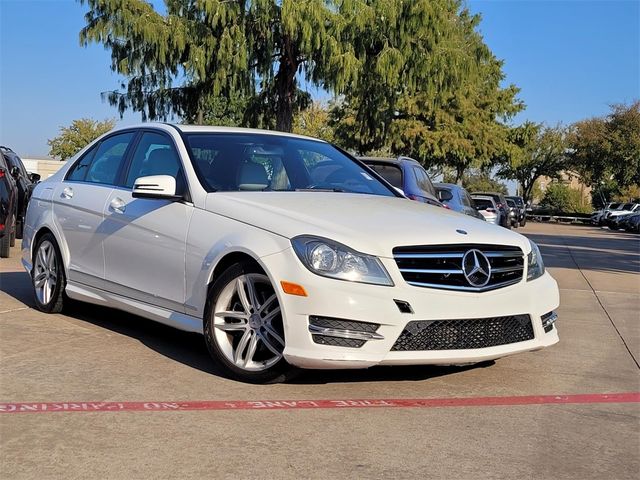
(34, 177)
(155, 186)
(15, 172)
(444, 195)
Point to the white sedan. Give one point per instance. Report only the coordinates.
(283, 251)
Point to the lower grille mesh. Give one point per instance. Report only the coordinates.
(337, 342)
(464, 334)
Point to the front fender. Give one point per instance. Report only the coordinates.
(206, 248)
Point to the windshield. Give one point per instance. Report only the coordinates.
(229, 162)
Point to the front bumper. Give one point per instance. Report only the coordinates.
(376, 304)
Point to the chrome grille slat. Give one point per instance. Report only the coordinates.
(440, 266)
(433, 270)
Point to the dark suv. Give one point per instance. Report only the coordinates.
(8, 203)
(407, 175)
(24, 181)
(501, 204)
(522, 209)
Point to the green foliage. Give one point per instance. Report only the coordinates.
(78, 135)
(430, 89)
(535, 151)
(482, 182)
(562, 198)
(202, 49)
(608, 148)
(314, 122)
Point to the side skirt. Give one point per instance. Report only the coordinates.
(96, 296)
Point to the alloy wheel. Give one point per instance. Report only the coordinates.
(45, 272)
(247, 323)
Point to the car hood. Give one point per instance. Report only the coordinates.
(367, 223)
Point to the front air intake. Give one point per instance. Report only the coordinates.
(342, 333)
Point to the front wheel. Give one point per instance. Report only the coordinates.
(243, 327)
(47, 276)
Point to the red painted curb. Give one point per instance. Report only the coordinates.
(52, 407)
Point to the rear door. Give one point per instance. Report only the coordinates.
(79, 203)
(145, 238)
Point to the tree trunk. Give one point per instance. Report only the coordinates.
(286, 88)
(459, 174)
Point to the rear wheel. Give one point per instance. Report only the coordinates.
(5, 245)
(12, 236)
(243, 329)
(47, 276)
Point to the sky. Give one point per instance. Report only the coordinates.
(571, 59)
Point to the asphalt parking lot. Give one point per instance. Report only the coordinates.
(536, 415)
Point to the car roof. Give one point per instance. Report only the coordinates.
(394, 161)
(447, 185)
(482, 197)
(214, 129)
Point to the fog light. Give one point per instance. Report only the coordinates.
(548, 319)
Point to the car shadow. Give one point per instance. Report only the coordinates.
(189, 348)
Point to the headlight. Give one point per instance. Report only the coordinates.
(535, 266)
(332, 259)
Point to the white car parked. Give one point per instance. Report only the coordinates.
(282, 251)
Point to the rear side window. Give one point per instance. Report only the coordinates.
(79, 170)
(102, 163)
(391, 173)
(107, 159)
(423, 181)
(154, 155)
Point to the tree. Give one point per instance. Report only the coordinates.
(562, 198)
(608, 148)
(482, 182)
(314, 122)
(536, 151)
(174, 63)
(78, 135)
(451, 117)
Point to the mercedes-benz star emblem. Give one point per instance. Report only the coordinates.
(476, 268)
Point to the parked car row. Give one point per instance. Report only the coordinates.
(618, 216)
(283, 251)
(412, 180)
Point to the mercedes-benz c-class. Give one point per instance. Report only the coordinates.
(283, 251)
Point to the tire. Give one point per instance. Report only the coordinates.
(47, 275)
(248, 344)
(5, 245)
(20, 229)
(12, 236)
(524, 222)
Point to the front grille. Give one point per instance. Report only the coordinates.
(440, 266)
(464, 334)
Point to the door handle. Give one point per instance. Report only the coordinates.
(67, 193)
(117, 205)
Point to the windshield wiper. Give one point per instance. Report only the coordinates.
(339, 190)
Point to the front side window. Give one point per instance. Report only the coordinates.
(263, 162)
(154, 155)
